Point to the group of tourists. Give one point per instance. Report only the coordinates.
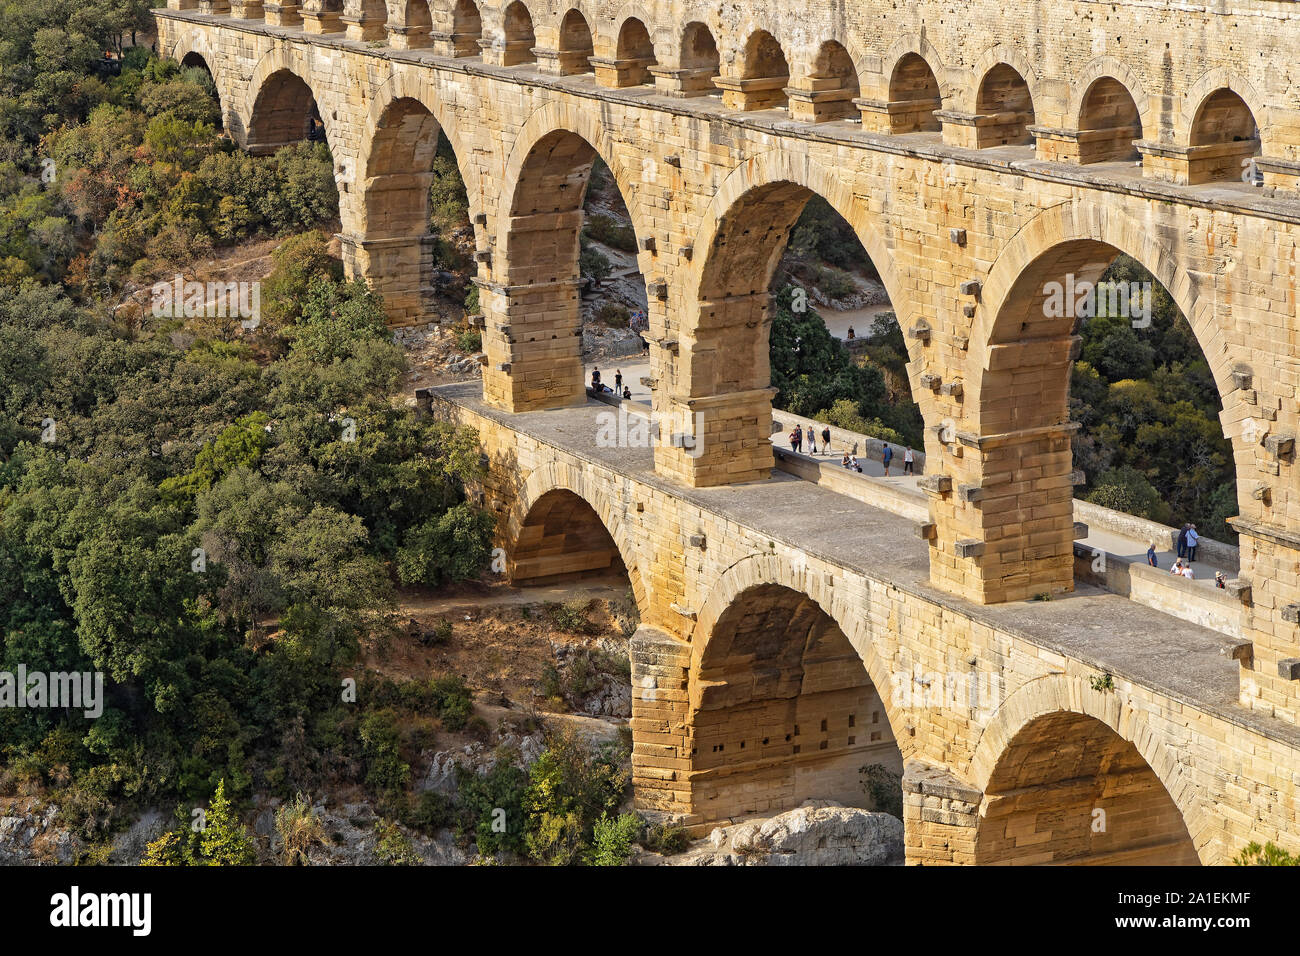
(850, 461)
(1188, 541)
(796, 440)
(619, 389)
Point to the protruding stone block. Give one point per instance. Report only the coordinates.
(930, 380)
(1289, 668)
(1291, 613)
(971, 493)
(697, 541)
(971, 287)
(1080, 531)
(968, 548)
(920, 331)
(1280, 445)
(951, 389)
(1238, 588)
(957, 236)
(927, 530)
(936, 484)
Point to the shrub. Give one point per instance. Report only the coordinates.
(614, 315)
(612, 839)
(1270, 854)
(299, 829)
(432, 812)
(606, 230)
(453, 701)
(572, 616)
(393, 847)
(469, 341)
(665, 838)
(492, 806)
(884, 789)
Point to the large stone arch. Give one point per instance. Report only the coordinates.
(409, 85)
(842, 605)
(531, 298)
(196, 41)
(290, 59)
(1063, 694)
(388, 242)
(1084, 221)
(1005, 522)
(553, 476)
(785, 694)
(556, 117)
(720, 371)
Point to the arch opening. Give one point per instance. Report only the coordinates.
(575, 47)
(564, 250)
(913, 96)
(1101, 384)
(833, 83)
(1069, 790)
(563, 540)
(417, 24)
(1224, 138)
(284, 112)
(700, 61)
(764, 76)
(1005, 109)
(790, 301)
(1109, 124)
(466, 28)
(414, 192)
(519, 37)
(635, 53)
(783, 711)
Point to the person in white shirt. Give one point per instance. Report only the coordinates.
(909, 463)
(1187, 572)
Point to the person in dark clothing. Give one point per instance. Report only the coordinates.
(1182, 541)
(618, 380)
(1151, 555)
(887, 456)
(627, 392)
(595, 380)
(826, 440)
(796, 438)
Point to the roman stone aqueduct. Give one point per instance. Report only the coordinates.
(791, 635)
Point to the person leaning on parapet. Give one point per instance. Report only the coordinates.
(1219, 580)
(1193, 539)
(1182, 541)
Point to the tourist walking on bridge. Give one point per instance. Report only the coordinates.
(909, 462)
(887, 456)
(812, 441)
